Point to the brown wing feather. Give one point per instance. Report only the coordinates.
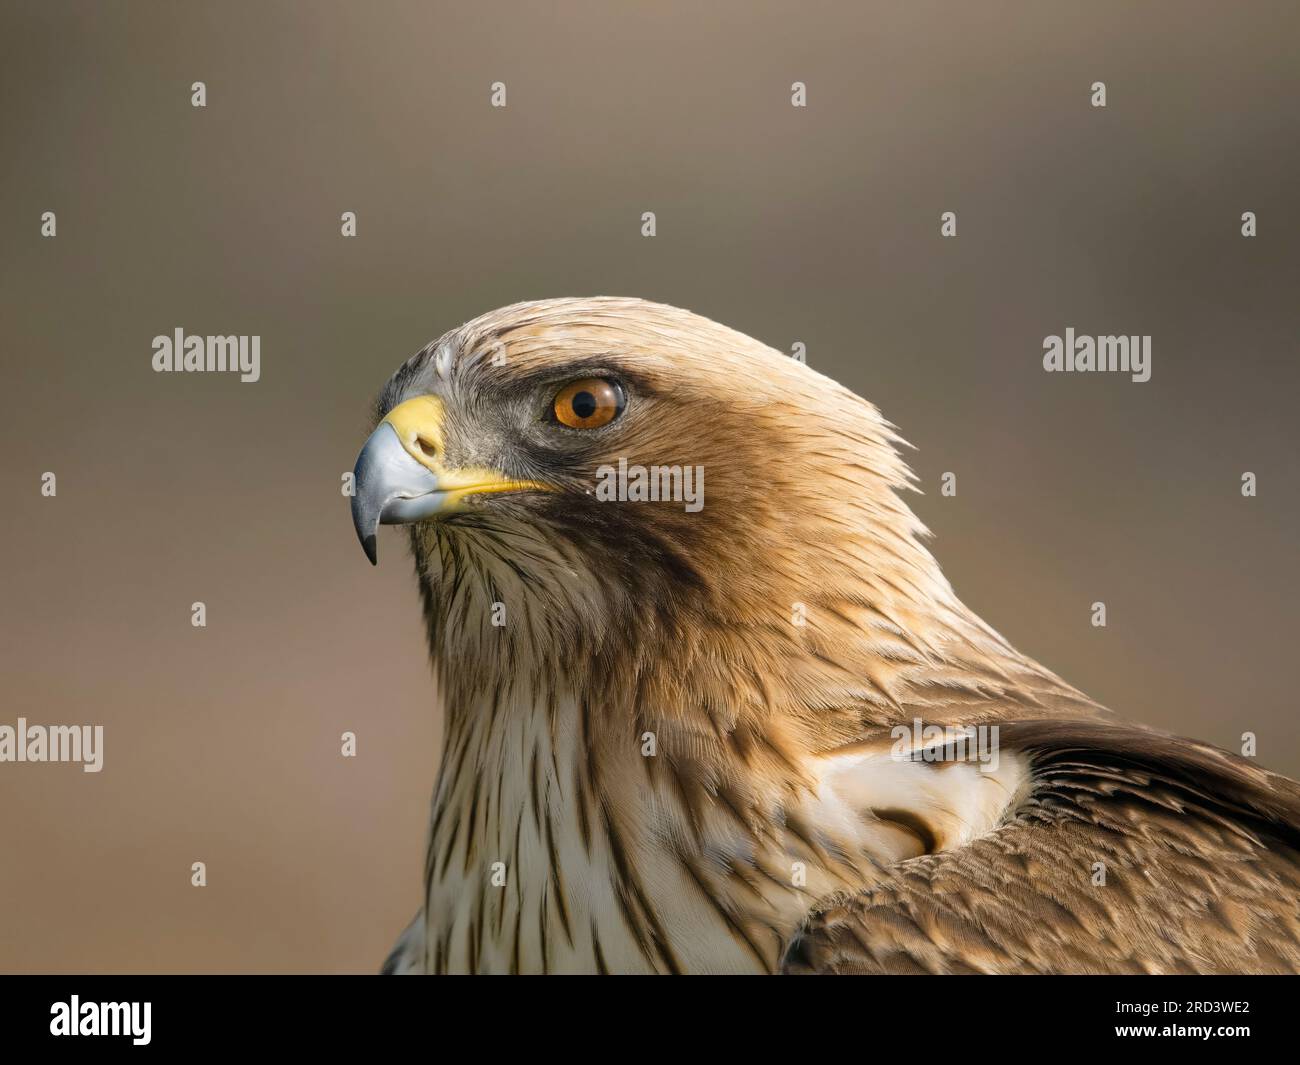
(1200, 850)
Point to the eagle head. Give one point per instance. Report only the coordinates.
(591, 478)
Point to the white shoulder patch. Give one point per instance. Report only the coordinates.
(956, 799)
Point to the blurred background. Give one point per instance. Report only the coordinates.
(818, 225)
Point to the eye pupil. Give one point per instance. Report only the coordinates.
(584, 404)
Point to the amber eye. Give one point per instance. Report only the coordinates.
(589, 403)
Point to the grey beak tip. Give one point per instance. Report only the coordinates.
(366, 524)
(390, 488)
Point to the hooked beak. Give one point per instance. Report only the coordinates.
(400, 477)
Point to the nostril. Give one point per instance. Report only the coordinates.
(426, 447)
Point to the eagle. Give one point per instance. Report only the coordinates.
(762, 734)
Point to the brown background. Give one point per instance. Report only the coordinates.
(820, 225)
